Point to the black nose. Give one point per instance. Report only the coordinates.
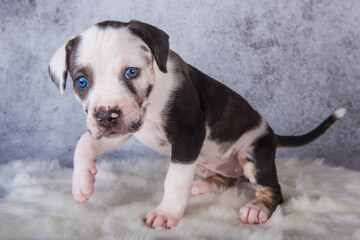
(107, 118)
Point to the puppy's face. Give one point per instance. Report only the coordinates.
(112, 74)
(112, 69)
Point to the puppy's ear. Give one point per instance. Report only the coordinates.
(59, 64)
(156, 39)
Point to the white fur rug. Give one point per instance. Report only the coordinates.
(321, 202)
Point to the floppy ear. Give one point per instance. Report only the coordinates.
(59, 65)
(156, 39)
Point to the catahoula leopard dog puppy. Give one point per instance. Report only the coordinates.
(130, 84)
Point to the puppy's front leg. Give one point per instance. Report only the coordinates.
(176, 194)
(88, 149)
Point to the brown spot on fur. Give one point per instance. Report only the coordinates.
(147, 59)
(143, 47)
(247, 166)
(220, 181)
(203, 172)
(79, 71)
(148, 90)
(266, 196)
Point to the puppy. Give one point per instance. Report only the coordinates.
(130, 83)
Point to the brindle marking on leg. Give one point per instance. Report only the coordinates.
(266, 196)
(245, 159)
(262, 174)
(220, 181)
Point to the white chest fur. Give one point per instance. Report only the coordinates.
(152, 135)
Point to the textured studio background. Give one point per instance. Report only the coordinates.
(294, 61)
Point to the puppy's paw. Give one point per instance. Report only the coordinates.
(254, 214)
(158, 218)
(200, 187)
(83, 184)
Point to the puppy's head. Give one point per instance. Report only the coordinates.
(113, 72)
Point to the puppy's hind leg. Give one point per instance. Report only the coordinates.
(260, 169)
(211, 184)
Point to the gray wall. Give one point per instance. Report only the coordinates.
(294, 61)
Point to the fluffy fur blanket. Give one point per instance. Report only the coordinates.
(321, 202)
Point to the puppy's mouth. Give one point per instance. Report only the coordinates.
(116, 132)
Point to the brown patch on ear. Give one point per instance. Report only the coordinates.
(220, 181)
(156, 39)
(266, 196)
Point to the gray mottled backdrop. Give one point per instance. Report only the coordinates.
(294, 61)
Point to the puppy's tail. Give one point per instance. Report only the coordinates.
(295, 141)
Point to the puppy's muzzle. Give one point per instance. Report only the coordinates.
(107, 118)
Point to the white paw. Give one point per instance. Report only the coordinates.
(253, 214)
(158, 218)
(83, 184)
(200, 187)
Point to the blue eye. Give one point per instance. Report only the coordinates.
(83, 82)
(132, 72)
